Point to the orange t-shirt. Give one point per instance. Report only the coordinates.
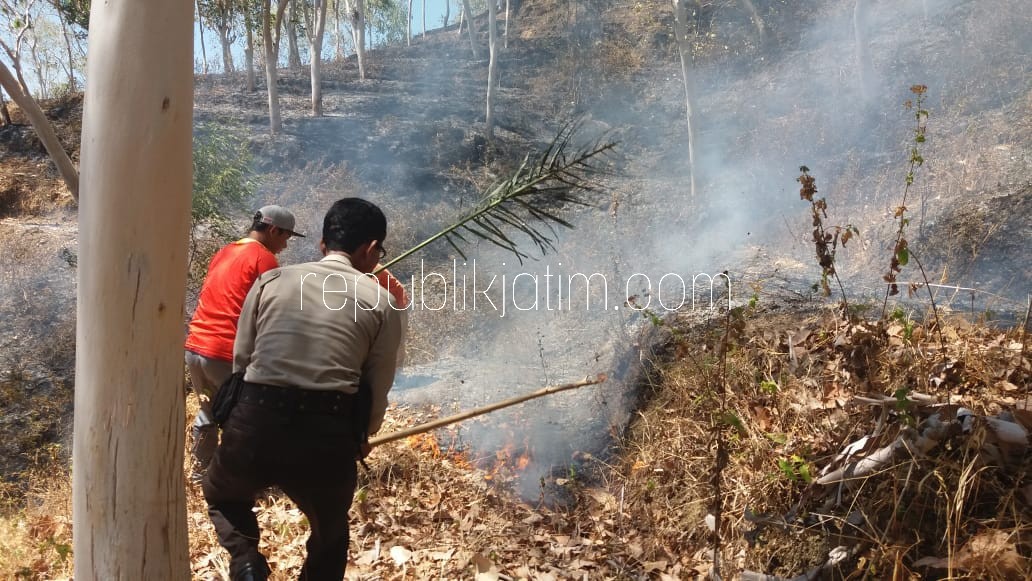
(231, 274)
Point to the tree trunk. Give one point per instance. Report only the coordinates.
(471, 23)
(408, 25)
(684, 49)
(200, 29)
(43, 128)
(507, 14)
(5, 115)
(316, 46)
(128, 499)
(249, 49)
(447, 12)
(492, 66)
(227, 53)
(68, 46)
(462, 19)
(272, 59)
(293, 53)
(358, 28)
(424, 18)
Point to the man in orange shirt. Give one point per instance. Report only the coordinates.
(209, 343)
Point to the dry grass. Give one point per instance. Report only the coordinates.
(425, 510)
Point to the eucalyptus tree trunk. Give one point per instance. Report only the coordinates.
(408, 25)
(424, 18)
(271, 45)
(200, 30)
(447, 12)
(359, 28)
(293, 53)
(492, 65)
(68, 46)
(341, 54)
(684, 49)
(44, 129)
(5, 115)
(249, 49)
(315, 37)
(471, 24)
(507, 14)
(128, 499)
(227, 53)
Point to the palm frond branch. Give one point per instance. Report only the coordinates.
(530, 201)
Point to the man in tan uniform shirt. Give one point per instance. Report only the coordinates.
(318, 345)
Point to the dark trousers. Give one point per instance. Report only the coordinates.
(310, 457)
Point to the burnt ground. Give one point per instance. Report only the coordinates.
(412, 135)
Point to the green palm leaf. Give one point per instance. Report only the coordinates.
(530, 200)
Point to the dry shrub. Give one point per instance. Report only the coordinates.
(36, 541)
(790, 408)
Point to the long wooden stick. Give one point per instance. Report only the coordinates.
(421, 428)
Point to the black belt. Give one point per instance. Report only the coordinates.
(319, 401)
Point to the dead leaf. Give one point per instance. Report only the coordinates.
(485, 568)
(989, 551)
(400, 555)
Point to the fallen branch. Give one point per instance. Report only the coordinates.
(428, 426)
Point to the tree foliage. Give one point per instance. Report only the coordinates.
(222, 180)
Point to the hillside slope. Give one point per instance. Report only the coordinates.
(411, 137)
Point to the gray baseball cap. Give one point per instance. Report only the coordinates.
(277, 216)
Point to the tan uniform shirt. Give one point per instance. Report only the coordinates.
(320, 325)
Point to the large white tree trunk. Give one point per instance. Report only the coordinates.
(128, 500)
(492, 65)
(44, 129)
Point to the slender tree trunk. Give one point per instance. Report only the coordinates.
(471, 23)
(68, 45)
(316, 45)
(128, 500)
(200, 29)
(272, 59)
(492, 65)
(462, 19)
(684, 49)
(339, 32)
(249, 49)
(507, 14)
(447, 12)
(408, 25)
(43, 128)
(5, 114)
(293, 52)
(424, 17)
(358, 24)
(227, 53)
